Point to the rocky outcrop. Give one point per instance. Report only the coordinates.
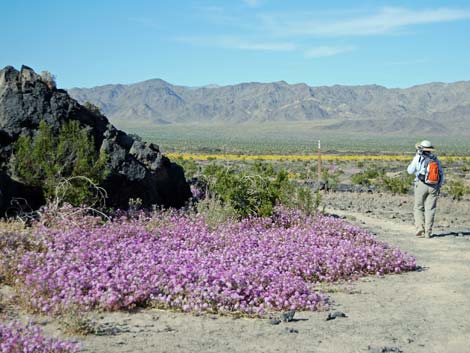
(136, 169)
(18, 197)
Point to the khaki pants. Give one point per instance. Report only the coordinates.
(425, 206)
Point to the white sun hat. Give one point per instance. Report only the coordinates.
(425, 145)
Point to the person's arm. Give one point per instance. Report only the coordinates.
(413, 167)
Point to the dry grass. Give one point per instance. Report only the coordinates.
(15, 240)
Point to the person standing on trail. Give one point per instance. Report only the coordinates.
(429, 177)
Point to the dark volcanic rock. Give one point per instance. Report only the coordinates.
(332, 316)
(11, 190)
(288, 316)
(384, 350)
(137, 169)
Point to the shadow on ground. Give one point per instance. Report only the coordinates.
(452, 234)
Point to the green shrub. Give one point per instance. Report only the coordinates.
(190, 167)
(308, 171)
(456, 189)
(397, 185)
(304, 199)
(252, 191)
(465, 165)
(360, 179)
(367, 176)
(331, 175)
(47, 161)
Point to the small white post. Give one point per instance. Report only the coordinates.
(319, 161)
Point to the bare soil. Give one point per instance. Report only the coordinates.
(422, 311)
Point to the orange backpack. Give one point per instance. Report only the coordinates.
(431, 167)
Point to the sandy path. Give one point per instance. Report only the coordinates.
(423, 311)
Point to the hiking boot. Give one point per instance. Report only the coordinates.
(428, 235)
(420, 233)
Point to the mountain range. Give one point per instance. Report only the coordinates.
(436, 108)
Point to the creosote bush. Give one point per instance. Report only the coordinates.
(330, 175)
(367, 176)
(254, 189)
(456, 189)
(397, 185)
(252, 192)
(48, 160)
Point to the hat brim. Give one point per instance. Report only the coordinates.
(418, 146)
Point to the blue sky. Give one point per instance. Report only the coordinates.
(88, 43)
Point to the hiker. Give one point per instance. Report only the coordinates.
(429, 177)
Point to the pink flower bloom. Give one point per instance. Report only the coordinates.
(176, 261)
(15, 337)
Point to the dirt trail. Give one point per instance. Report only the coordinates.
(422, 311)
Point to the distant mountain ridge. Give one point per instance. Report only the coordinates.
(438, 107)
